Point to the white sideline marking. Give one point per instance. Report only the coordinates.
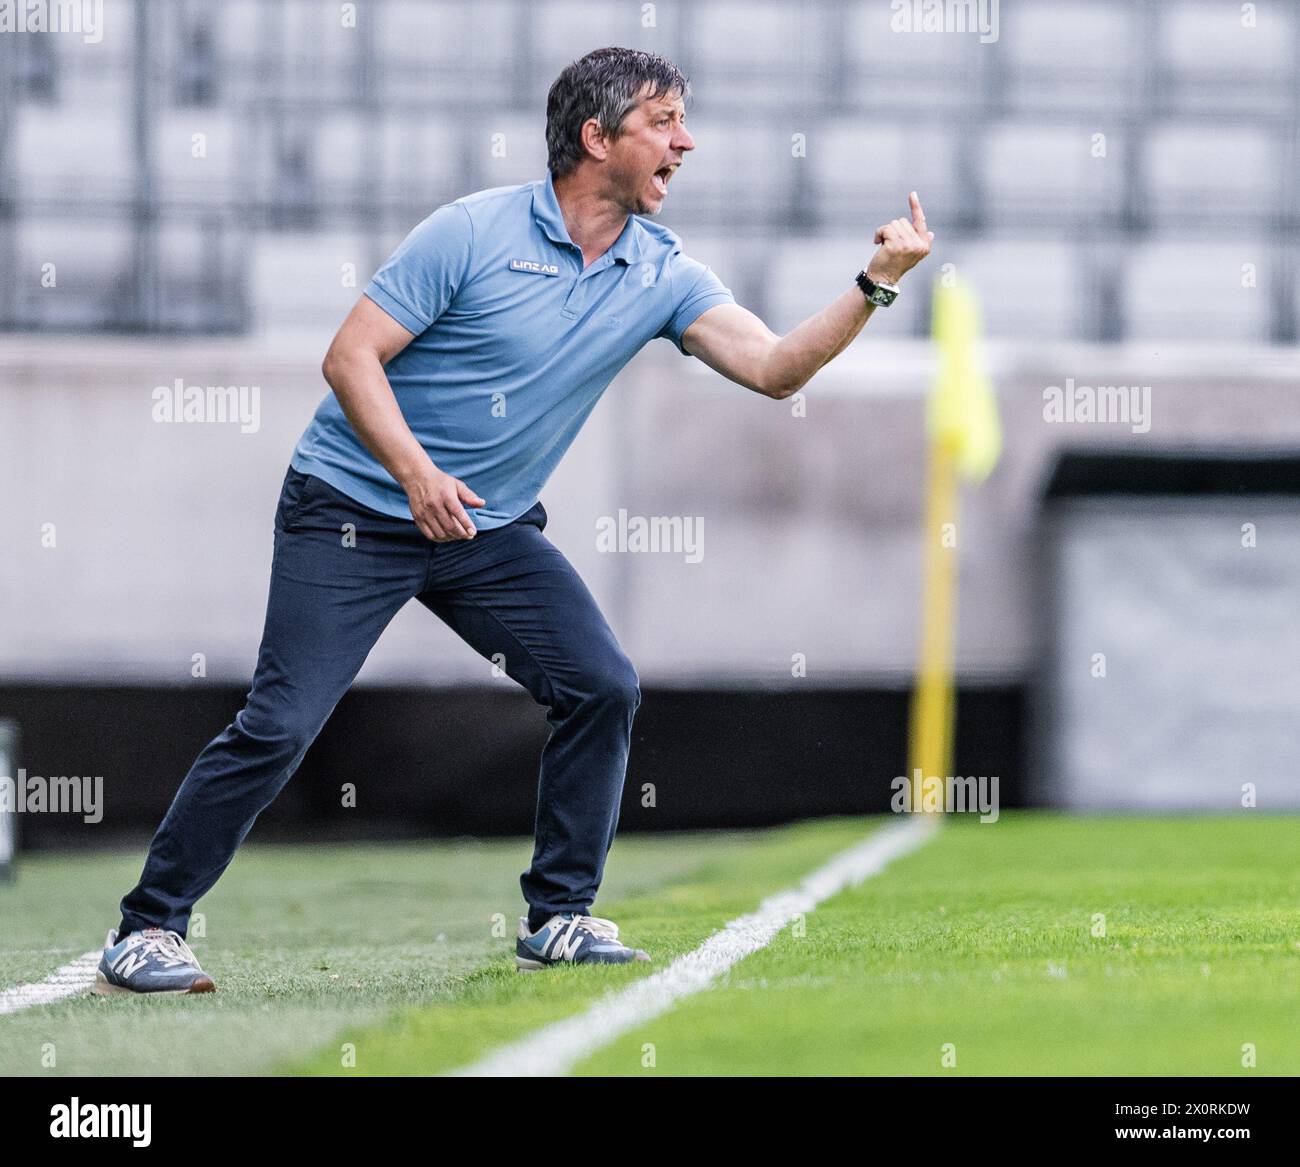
(73, 978)
(557, 1048)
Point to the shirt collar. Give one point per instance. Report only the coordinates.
(546, 210)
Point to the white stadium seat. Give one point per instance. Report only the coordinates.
(1029, 288)
(1167, 283)
(864, 170)
(1037, 172)
(1213, 172)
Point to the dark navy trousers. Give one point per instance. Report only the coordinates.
(507, 591)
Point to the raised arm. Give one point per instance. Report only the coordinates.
(736, 343)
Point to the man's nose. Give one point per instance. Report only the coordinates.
(682, 140)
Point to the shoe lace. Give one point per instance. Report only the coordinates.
(597, 925)
(168, 947)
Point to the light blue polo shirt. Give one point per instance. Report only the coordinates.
(514, 343)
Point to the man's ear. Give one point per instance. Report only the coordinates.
(594, 140)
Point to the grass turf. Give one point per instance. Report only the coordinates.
(303, 941)
(978, 956)
(383, 959)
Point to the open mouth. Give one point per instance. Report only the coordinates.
(661, 178)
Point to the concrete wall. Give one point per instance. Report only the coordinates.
(810, 523)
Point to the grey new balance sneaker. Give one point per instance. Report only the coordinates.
(574, 938)
(151, 961)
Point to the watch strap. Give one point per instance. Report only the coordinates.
(882, 295)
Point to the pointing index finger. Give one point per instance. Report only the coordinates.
(918, 215)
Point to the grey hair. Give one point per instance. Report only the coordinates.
(605, 84)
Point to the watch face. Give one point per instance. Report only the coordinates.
(880, 295)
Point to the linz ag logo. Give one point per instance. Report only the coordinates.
(534, 268)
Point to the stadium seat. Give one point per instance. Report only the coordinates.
(1206, 173)
(916, 71)
(739, 171)
(344, 146)
(445, 53)
(1071, 55)
(89, 264)
(1035, 173)
(805, 275)
(58, 152)
(1166, 282)
(563, 30)
(744, 52)
(1210, 61)
(863, 172)
(1028, 288)
(420, 160)
(184, 179)
(522, 137)
(300, 288)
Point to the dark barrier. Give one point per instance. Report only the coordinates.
(451, 762)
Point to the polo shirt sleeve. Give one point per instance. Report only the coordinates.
(419, 279)
(695, 289)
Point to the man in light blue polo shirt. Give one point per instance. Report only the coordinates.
(458, 381)
(515, 338)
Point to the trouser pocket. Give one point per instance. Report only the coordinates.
(292, 491)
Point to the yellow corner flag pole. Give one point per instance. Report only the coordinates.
(965, 440)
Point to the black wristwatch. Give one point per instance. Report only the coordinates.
(882, 295)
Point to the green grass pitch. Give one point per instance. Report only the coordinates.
(1040, 944)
